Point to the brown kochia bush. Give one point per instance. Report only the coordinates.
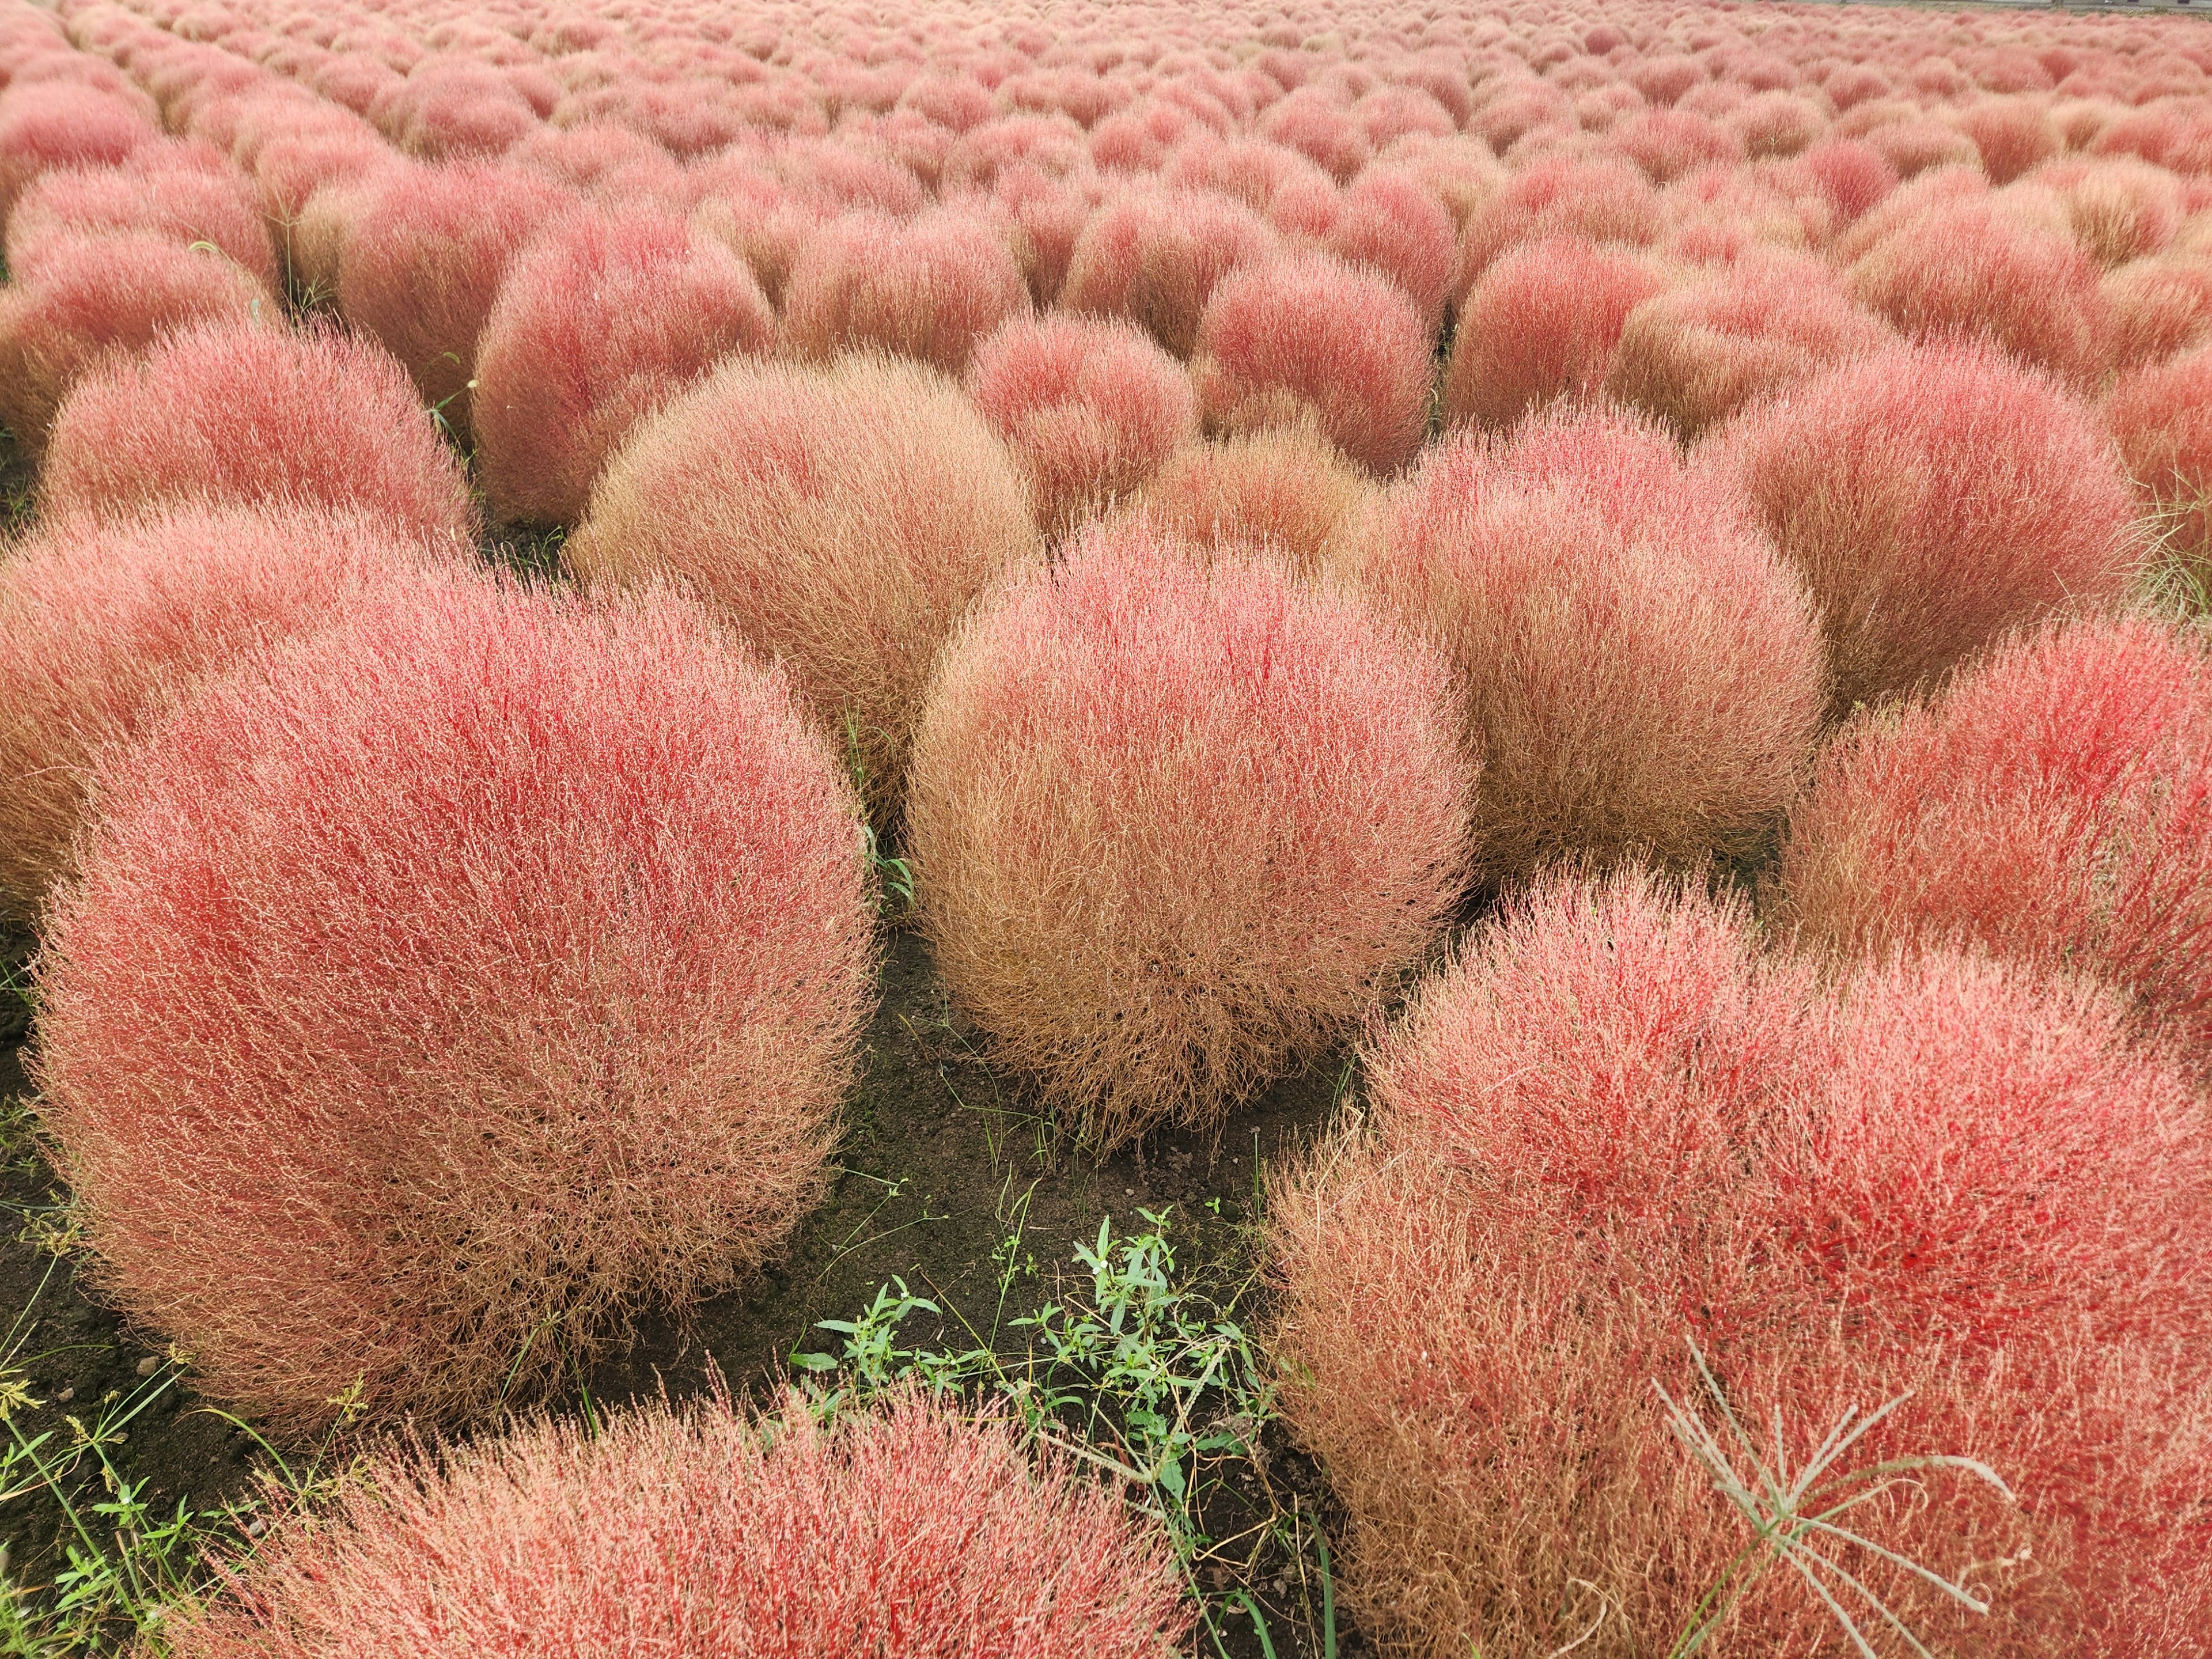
(841, 518)
(1614, 1124)
(440, 989)
(104, 626)
(906, 1531)
(1176, 827)
(1641, 671)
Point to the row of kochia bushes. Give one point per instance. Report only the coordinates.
(432, 963)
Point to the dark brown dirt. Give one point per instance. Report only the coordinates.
(944, 1162)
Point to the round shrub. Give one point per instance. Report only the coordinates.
(485, 966)
(2055, 806)
(1390, 221)
(424, 261)
(1155, 258)
(1933, 496)
(1089, 409)
(1307, 339)
(184, 194)
(60, 124)
(1176, 828)
(930, 288)
(902, 1530)
(1613, 1123)
(1288, 491)
(234, 412)
(1542, 325)
(1598, 198)
(109, 624)
(1692, 355)
(603, 317)
(1642, 673)
(842, 519)
(2161, 416)
(94, 295)
(2158, 307)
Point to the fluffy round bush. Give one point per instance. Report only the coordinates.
(1974, 269)
(1390, 221)
(2162, 418)
(1600, 198)
(486, 966)
(2055, 805)
(91, 296)
(701, 1535)
(2158, 307)
(236, 412)
(1089, 407)
(842, 519)
(599, 319)
(1695, 354)
(1842, 1204)
(1542, 325)
(1175, 827)
(930, 288)
(1156, 257)
(184, 194)
(1934, 495)
(1307, 339)
(424, 261)
(104, 627)
(1642, 673)
(1286, 490)
(43, 126)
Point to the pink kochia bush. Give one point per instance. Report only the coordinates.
(91, 297)
(1155, 258)
(486, 964)
(1285, 490)
(1641, 671)
(1540, 325)
(424, 261)
(842, 519)
(602, 318)
(185, 194)
(1933, 495)
(1307, 338)
(233, 412)
(105, 626)
(1176, 827)
(2056, 805)
(931, 288)
(1090, 408)
(903, 1530)
(1614, 1125)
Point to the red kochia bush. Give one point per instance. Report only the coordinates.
(482, 966)
(183, 193)
(1307, 339)
(233, 412)
(903, 1530)
(603, 317)
(97, 296)
(2056, 804)
(424, 261)
(1541, 324)
(1640, 670)
(1934, 495)
(1175, 827)
(1090, 408)
(1286, 491)
(842, 519)
(930, 288)
(61, 124)
(1842, 1203)
(2162, 418)
(105, 626)
(1156, 257)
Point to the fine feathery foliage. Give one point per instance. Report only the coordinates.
(440, 988)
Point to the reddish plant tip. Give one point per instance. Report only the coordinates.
(842, 519)
(109, 624)
(1642, 673)
(2055, 806)
(1933, 496)
(1309, 339)
(904, 1529)
(1176, 827)
(239, 413)
(930, 289)
(1089, 409)
(603, 317)
(484, 961)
